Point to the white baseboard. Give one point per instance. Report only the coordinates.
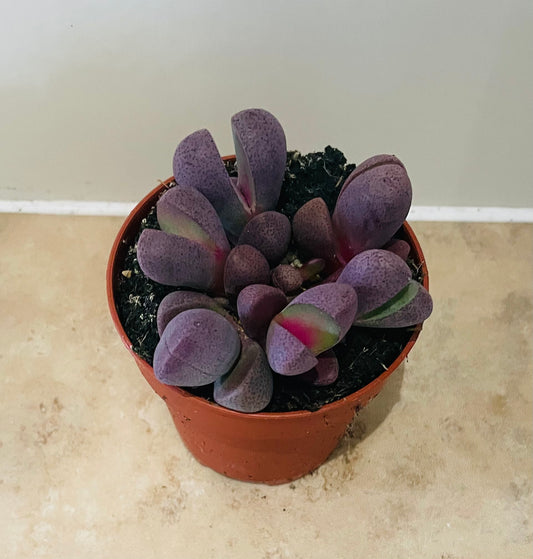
(471, 213)
(417, 213)
(66, 207)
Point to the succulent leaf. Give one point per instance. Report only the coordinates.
(178, 301)
(176, 261)
(372, 206)
(399, 247)
(394, 304)
(388, 296)
(370, 163)
(337, 300)
(270, 233)
(245, 265)
(313, 327)
(197, 347)
(185, 211)
(414, 312)
(257, 305)
(287, 355)
(248, 387)
(311, 268)
(313, 230)
(325, 372)
(197, 163)
(287, 278)
(261, 152)
(376, 275)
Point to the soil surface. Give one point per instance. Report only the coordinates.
(363, 354)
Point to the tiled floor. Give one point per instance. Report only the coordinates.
(438, 466)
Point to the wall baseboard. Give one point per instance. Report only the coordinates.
(417, 213)
(66, 207)
(471, 213)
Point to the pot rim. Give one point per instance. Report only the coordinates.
(354, 397)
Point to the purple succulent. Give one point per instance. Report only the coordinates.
(191, 248)
(325, 372)
(270, 233)
(399, 247)
(248, 387)
(313, 230)
(221, 235)
(257, 305)
(286, 354)
(261, 152)
(178, 301)
(197, 347)
(337, 300)
(289, 278)
(162, 257)
(372, 205)
(388, 296)
(312, 323)
(184, 211)
(245, 265)
(197, 163)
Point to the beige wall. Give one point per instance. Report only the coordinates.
(94, 95)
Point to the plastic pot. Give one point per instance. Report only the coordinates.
(270, 448)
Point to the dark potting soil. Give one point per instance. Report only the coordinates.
(363, 354)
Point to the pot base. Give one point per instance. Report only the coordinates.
(270, 448)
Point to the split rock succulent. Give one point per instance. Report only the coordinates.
(388, 296)
(223, 237)
(312, 323)
(197, 347)
(372, 205)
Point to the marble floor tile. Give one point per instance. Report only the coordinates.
(439, 465)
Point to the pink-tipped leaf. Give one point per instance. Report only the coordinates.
(312, 326)
(287, 355)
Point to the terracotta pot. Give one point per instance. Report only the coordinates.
(271, 448)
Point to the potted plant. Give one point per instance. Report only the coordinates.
(256, 294)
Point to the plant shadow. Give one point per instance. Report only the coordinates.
(369, 418)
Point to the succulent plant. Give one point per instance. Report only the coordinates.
(373, 204)
(388, 296)
(256, 310)
(197, 347)
(245, 265)
(190, 232)
(290, 278)
(261, 152)
(270, 233)
(257, 305)
(310, 324)
(313, 230)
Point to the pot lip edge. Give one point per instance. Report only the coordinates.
(354, 398)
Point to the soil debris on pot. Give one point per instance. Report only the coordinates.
(364, 353)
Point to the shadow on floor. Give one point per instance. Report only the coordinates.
(368, 419)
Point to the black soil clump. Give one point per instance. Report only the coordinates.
(363, 354)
